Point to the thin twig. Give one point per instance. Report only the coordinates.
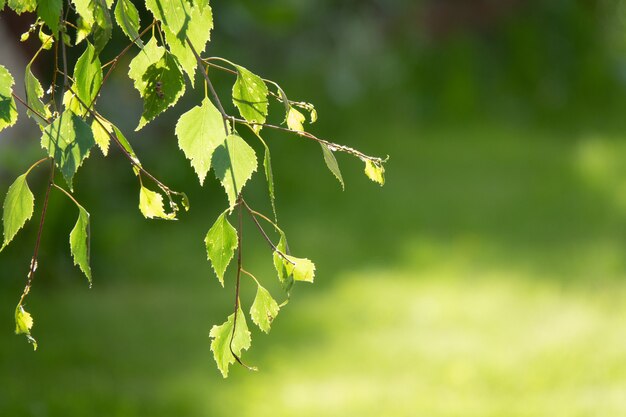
(258, 225)
(115, 60)
(216, 98)
(30, 108)
(237, 282)
(33, 261)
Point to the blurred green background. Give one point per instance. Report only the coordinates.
(486, 278)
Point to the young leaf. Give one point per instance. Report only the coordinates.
(21, 6)
(234, 161)
(88, 76)
(23, 324)
(151, 205)
(153, 65)
(250, 96)
(200, 131)
(101, 135)
(8, 111)
(302, 269)
(375, 172)
(221, 242)
(221, 344)
(128, 20)
(50, 12)
(264, 309)
(198, 32)
(279, 263)
(17, 208)
(331, 163)
(79, 243)
(34, 93)
(295, 120)
(173, 14)
(68, 140)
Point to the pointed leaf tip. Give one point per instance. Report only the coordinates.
(221, 242)
(221, 341)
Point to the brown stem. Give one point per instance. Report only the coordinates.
(33, 261)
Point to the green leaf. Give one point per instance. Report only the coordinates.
(198, 32)
(302, 269)
(375, 172)
(126, 145)
(8, 111)
(279, 263)
(264, 309)
(50, 12)
(68, 140)
(88, 76)
(200, 131)
(79, 243)
(101, 134)
(34, 93)
(17, 208)
(85, 11)
(295, 120)
(173, 14)
(23, 324)
(128, 20)
(221, 242)
(21, 6)
(153, 65)
(269, 176)
(151, 205)
(221, 344)
(103, 26)
(234, 161)
(331, 163)
(250, 96)
(46, 40)
(83, 29)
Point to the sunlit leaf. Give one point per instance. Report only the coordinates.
(264, 309)
(295, 119)
(87, 76)
(17, 208)
(200, 131)
(221, 344)
(302, 269)
(153, 65)
(250, 96)
(198, 32)
(68, 140)
(23, 324)
(101, 135)
(279, 263)
(8, 111)
(46, 40)
(331, 163)
(151, 205)
(127, 17)
(21, 6)
(221, 242)
(79, 243)
(375, 172)
(173, 14)
(50, 12)
(234, 162)
(84, 9)
(34, 93)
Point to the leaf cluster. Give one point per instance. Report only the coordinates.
(167, 58)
